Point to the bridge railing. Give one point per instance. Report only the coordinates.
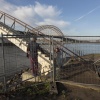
(16, 24)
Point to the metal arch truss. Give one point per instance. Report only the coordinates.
(52, 27)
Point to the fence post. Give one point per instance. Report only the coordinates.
(62, 40)
(3, 63)
(50, 43)
(54, 68)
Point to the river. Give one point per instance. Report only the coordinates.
(15, 59)
(84, 48)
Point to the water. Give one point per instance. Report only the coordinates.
(84, 48)
(13, 60)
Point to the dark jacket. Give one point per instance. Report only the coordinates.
(33, 47)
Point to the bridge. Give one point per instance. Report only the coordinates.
(49, 37)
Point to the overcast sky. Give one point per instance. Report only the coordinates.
(73, 17)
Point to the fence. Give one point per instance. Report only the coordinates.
(15, 66)
(79, 59)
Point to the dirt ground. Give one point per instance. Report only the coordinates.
(77, 93)
(82, 72)
(65, 92)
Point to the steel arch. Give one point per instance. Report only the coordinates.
(52, 27)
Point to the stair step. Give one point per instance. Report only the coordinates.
(29, 77)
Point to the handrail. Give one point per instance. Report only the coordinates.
(38, 32)
(20, 22)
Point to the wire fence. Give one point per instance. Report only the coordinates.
(78, 60)
(15, 66)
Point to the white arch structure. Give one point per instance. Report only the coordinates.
(57, 31)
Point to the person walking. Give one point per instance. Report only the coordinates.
(32, 54)
(57, 62)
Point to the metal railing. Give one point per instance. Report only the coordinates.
(80, 59)
(16, 62)
(77, 58)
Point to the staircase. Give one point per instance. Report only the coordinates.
(21, 38)
(43, 59)
(12, 26)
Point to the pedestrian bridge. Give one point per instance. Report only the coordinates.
(18, 33)
(49, 37)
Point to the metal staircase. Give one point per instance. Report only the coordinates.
(21, 37)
